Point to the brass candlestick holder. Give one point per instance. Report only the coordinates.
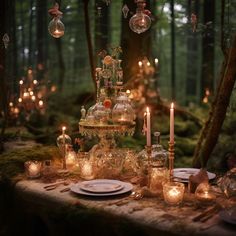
(149, 153)
(171, 159)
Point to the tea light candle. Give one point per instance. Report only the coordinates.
(203, 193)
(87, 170)
(173, 192)
(33, 168)
(70, 158)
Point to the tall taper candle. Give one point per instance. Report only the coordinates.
(148, 127)
(172, 138)
(64, 147)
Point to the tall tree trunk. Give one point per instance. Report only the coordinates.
(30, 61)
(208, 43)
(173, 74)
(22, 15)
(101, 29)
(3, 87)
(211, 130)
(41, 35)
(14, 70)
(135, 46)
(89, 40)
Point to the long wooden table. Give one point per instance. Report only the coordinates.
(61, 213)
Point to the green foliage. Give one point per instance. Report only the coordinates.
(12, 163)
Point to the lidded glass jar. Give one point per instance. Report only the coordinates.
(100, 113)
(122, 111)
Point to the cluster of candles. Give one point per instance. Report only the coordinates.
(147, 116)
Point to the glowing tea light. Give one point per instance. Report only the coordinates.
(203, 193)
(19, 100)
(40, 103)
(87, 170)
(173, 192)
(70, 158)
(11, 104)
(31, 93)
(16, 111)
(156, 61)
(35, 81)
(33, 98)
(148, 63)
(140, 64)
(21, 82)
(33, 168)
(128, 92)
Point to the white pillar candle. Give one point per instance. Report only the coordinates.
(172, 138)
(148, 135)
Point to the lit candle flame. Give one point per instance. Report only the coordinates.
(172, 105)
(148, 63)
(156, 61)
(63, 128)
(140, 64)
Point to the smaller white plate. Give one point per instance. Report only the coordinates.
(182, 174)
(75, 188)
(101, 185)
(225, 216)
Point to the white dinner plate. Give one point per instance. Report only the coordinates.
(101, 185)
(182, 174)
(226, 216)
(76, 188)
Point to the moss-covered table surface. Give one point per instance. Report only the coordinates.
(122, 215)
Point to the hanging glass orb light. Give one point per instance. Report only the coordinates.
(56, 28)
(140, 22)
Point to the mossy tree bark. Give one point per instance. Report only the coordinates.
(89, 40)
(211, 130)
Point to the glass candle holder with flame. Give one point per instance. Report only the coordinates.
(56, 28)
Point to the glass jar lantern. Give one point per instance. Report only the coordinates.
(122, 112)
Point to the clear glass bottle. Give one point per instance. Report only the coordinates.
(158, 169)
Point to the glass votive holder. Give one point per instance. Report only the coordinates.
(158, 176)
(71, 159)
(33, 169)
(86, 166)
(173, 192)
(204, 194)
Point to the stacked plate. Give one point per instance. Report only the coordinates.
(101, 187)
(182, 174)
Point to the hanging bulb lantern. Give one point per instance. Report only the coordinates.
(56, 28)
(140, 22)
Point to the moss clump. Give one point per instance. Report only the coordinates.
(12, 163)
